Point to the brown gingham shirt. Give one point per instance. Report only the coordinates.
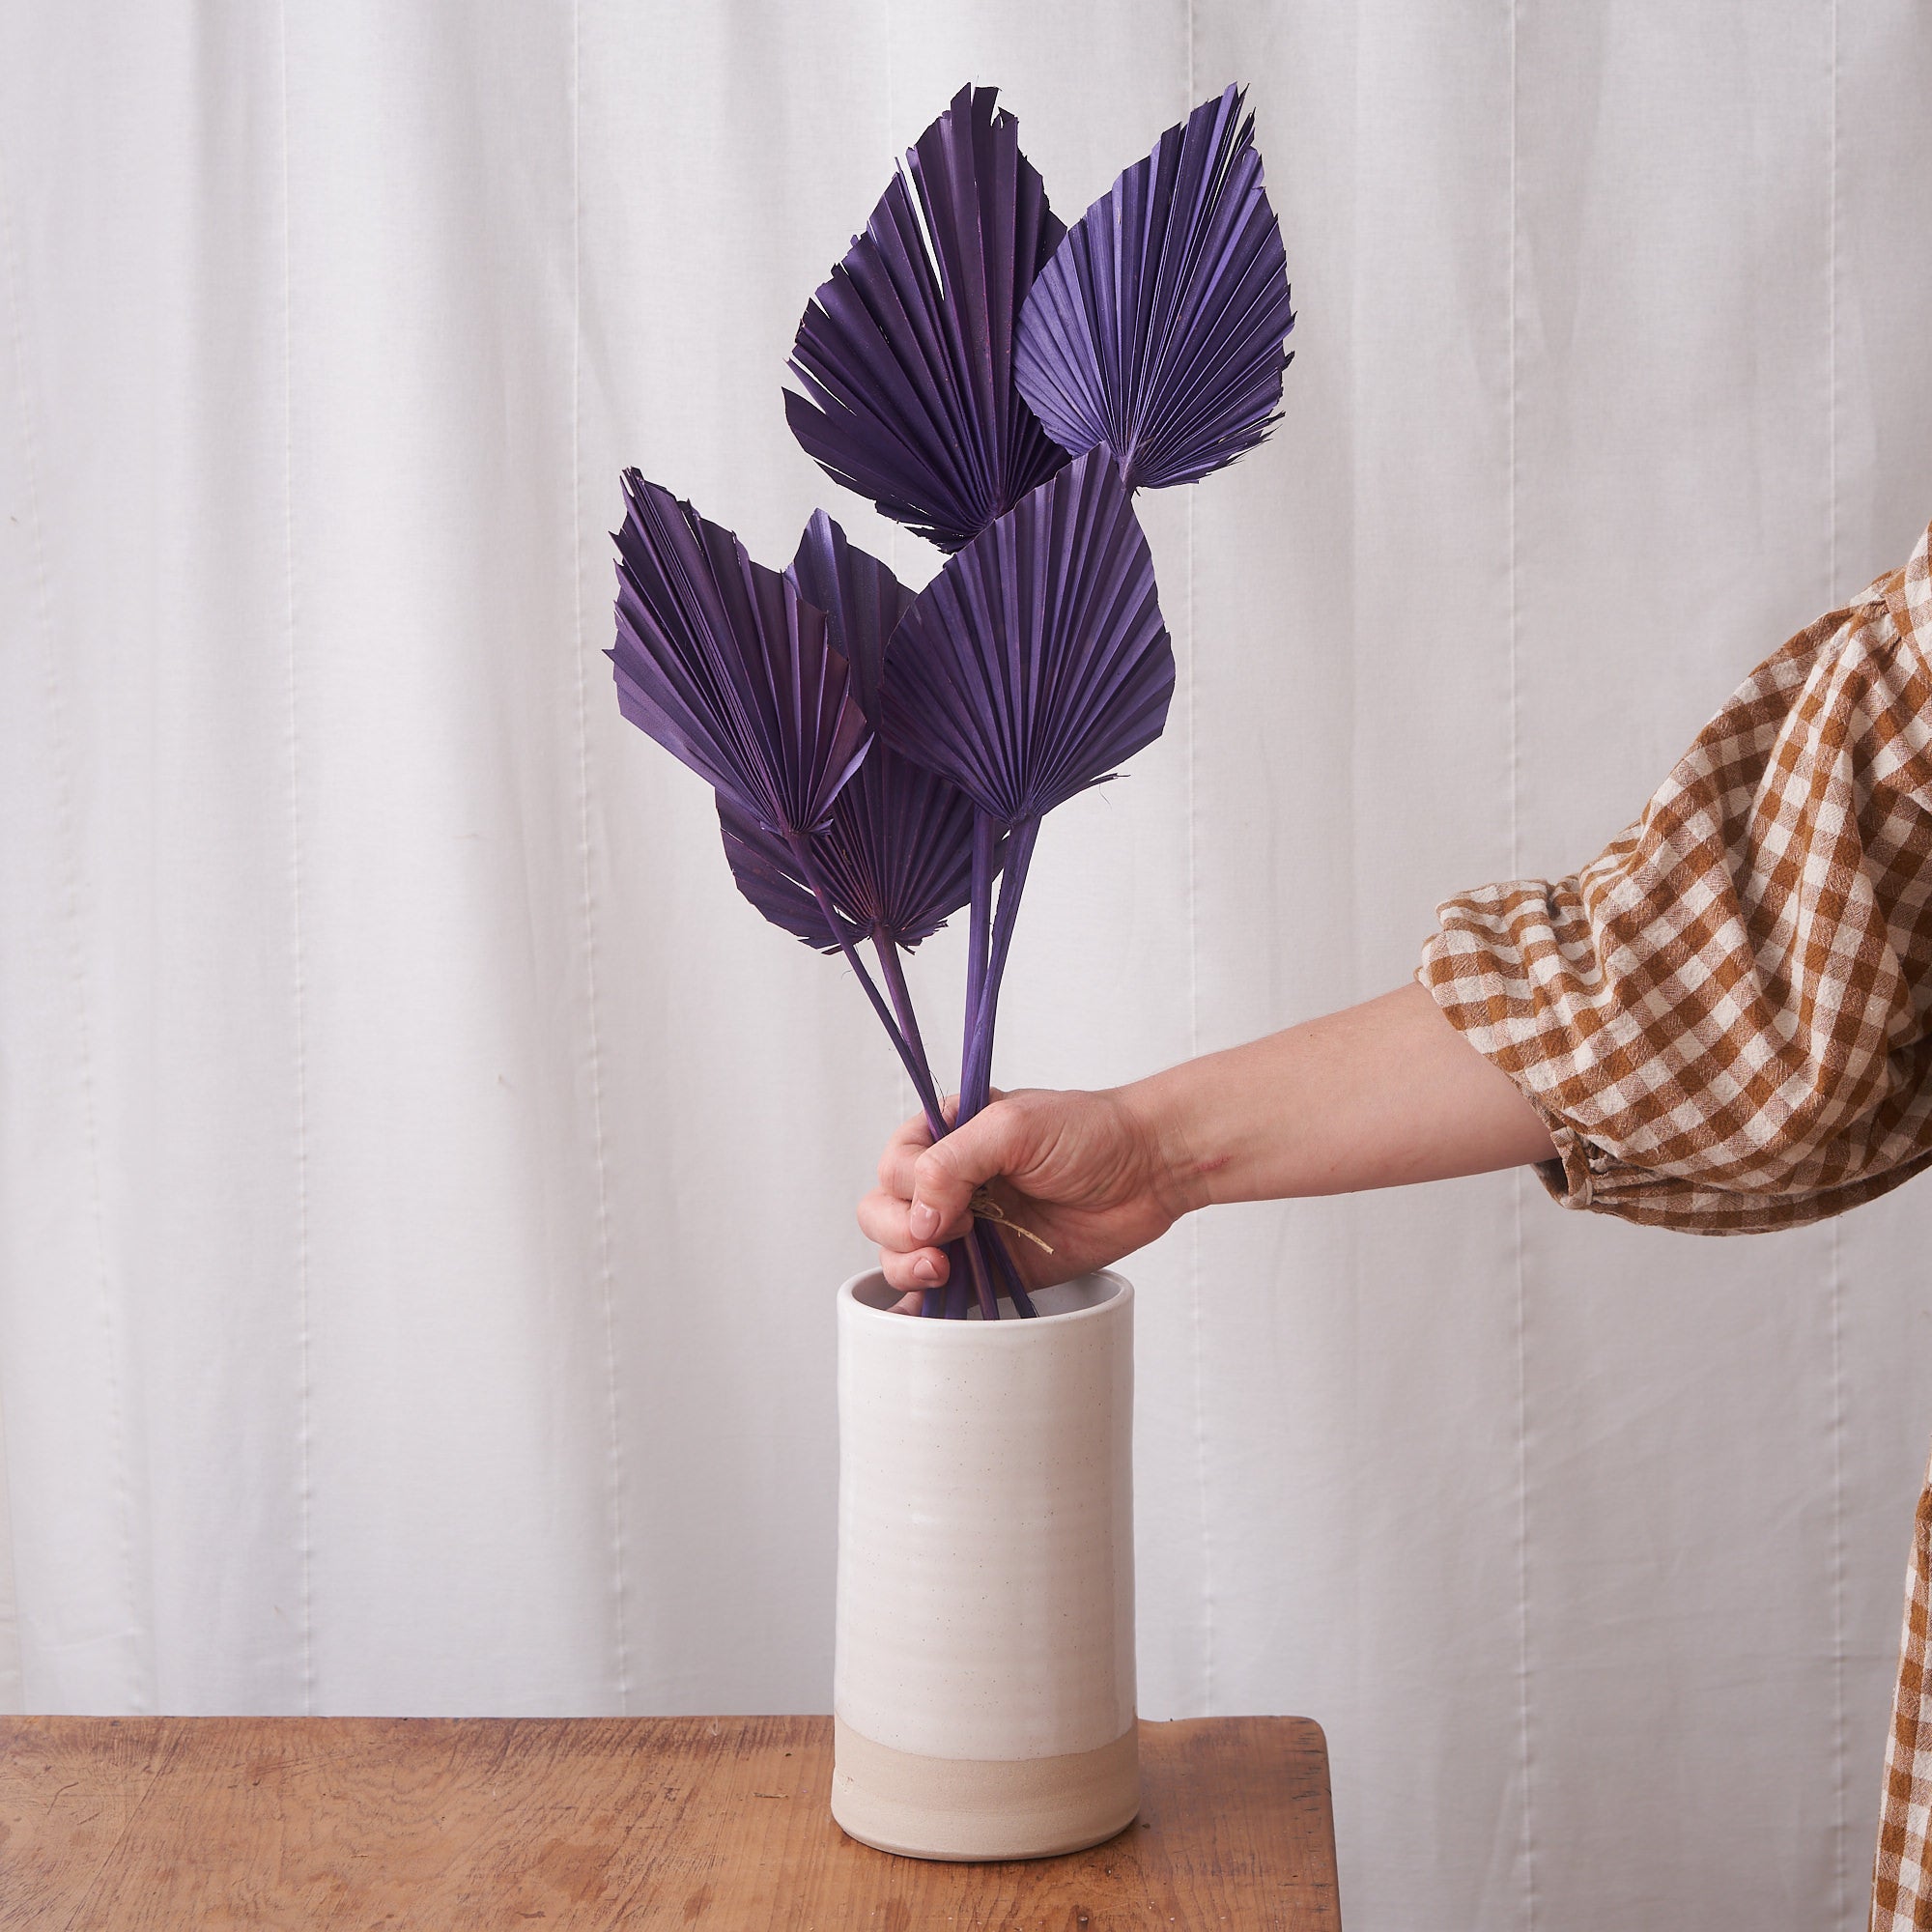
(1725, 1020)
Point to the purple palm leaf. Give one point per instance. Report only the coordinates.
(893, 861)
(896, 855)
(1157, 330)
(863, 601)
(728, 667)
(905, 354)
(768, 875)
(1037, 660)
(897, 858)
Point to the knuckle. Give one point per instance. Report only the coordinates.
(872, 1224)
(937, 1179)
(897, 1269)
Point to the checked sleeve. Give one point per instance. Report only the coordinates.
(1726, 1019)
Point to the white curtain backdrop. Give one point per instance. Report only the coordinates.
(423, 1181)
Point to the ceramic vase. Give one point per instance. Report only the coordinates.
(983, 1690)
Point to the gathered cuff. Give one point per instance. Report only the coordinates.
(1592, 1178)
(1725, 1019)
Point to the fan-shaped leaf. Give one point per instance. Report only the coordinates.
(1037, 660)
(727, 666)
(897, 853)
(897, 858)
(767, 874)
(1157, 330)
(862, 602)
(905, 354)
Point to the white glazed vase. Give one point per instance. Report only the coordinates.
(983, 1690)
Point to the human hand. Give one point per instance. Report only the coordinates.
(1381, 1094)
(1083, 1172)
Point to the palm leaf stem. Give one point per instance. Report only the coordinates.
(984, 1290)
(1006, 1266)
(979, 940)
(956, 1293)
(914, 1063)
(975, 1076)
(904, 1030)
(894, 975)
(965, 1256)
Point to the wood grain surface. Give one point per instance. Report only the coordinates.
(474, 1823)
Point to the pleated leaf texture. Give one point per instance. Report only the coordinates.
(896, 855)
(905, 354)
(1157, 330)
(724, 664)
(765, 872)
(1037, 660)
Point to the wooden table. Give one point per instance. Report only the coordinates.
(472, 1822)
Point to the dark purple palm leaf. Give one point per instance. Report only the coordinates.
(1037, 660)
(863, 601)
(897, 853)
(897, 858)
(1157, 328)
(726, 666)
(767, 872)
(905, 354)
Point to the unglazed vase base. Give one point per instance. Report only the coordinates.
(966, 1808)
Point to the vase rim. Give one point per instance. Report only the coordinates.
(1122, 1296)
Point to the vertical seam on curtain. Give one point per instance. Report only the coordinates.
(304, 1414)
(1193, 1049)
(13, 1670)
(66, 830)
(605, 1274)
(903, 1094)
(1840, 1833)
(13, 1662)
(1526, 1739)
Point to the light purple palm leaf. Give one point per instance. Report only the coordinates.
(896, 855)
(905, 354)
(1157, 330)
(1037, 660)
(728, 667)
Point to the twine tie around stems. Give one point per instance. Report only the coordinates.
(985, 1208)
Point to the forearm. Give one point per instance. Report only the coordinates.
(1378, 1095)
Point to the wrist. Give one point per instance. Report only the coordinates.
(1178, 1173)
